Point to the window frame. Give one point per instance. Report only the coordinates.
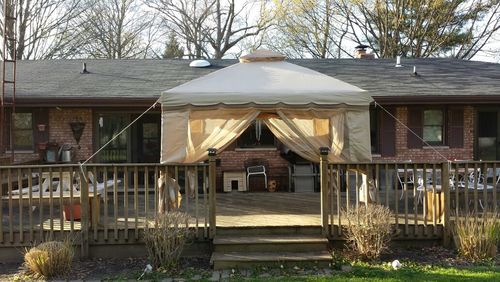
(444, 126)
(14, 129)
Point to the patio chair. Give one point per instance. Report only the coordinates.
(256, 167)
(99, 186)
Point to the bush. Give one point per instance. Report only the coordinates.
(165, 242)
(49, 259)
(368, 230)
(477, 237)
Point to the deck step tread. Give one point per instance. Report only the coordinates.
(270, 239)
(271, 257)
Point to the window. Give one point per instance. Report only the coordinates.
(433, 126)
(23, 131)
(256, 135)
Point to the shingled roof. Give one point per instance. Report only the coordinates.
(140, 82)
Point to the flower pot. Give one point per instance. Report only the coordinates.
(42, 146)
(41, 127)
(72, 209)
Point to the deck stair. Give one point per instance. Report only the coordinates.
(268, 246)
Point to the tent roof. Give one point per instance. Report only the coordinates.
(265, 84)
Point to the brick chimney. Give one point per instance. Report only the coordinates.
(360, 52)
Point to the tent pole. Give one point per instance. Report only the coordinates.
(323, 165)
(211, 190)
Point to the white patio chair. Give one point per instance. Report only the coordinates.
(256, 170)
(99, 186)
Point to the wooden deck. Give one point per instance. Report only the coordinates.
(268, 209)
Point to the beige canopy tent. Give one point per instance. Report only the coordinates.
(303, 108)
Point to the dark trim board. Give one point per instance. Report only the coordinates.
(437, 100)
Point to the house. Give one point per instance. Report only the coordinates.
(424, 110)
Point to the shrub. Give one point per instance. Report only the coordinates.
(368, 230)
(165, 242)
(477, 237)
(49, 259)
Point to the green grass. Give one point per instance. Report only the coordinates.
(360, 272)
(409, 273)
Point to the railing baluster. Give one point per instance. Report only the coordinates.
(51, 205)
(476, 198)
(11, 205)
(105, 202)
(94, 209)
(405, 184)
(376, 182)
(347, 188)
(71, 188)
(115, 200)
(435, 198)
(20, 201)
(61, 202)
(339, 202)
(1, 204)
(146, 196)
(466, 191)
(196, 201)
(136, 202)
(495, 181)
(424, 198)
(205, 202)
(40, 202)
(415, 200)
(396, 196)
(125, 199)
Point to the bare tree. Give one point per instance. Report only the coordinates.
(113, 29)
(40, 24)
(423, 28)
(308, 28)
(210, 28)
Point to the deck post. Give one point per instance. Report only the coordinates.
(445, 184)
(323, 170)
(85, 215)
(211, 190)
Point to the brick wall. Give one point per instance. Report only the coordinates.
(427, 153)
(60, 130)
(233, 159)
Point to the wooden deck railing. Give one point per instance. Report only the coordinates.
(425, 198)
(114, 205)
(53, 201)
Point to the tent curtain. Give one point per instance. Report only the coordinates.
(304, 132)
(187, 135)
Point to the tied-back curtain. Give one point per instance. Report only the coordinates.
(304, 132)
(187, 135)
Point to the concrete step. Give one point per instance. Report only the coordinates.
(270, 243)
(252, 259)
(269, 230)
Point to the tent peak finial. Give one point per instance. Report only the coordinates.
(262, 55)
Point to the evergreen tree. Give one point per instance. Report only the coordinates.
(172, 48)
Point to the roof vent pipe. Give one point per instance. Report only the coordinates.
(398, 61)
(84, 68)
(415, 71)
